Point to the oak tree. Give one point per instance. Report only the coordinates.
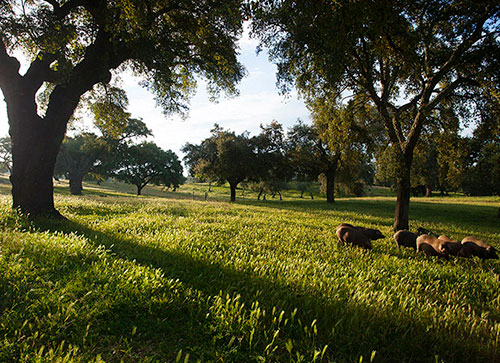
(72, 45)
(147, 163)
(405, 57)
(225, 157)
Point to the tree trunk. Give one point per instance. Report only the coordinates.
(35, 144)
(302, 194)
(281, 198)
(428, 190)
(233, 186)
(260, 194)
(403, 196)
(139, 188)
(75, 184)
(330, 185)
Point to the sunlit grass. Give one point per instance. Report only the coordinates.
(171, 276)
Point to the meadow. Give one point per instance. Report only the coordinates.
(172, 277)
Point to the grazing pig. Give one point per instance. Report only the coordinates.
(353, 236)
(372, 234)
(454, 247)
(406, 239)
(432, 246)
(472, 246)
(345, 225)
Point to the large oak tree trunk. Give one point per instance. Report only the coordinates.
(35, 144)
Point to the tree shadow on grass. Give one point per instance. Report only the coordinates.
(358, 328)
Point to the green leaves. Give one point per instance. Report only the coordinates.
(147, 163)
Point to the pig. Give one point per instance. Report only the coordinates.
(472, 246)
(353, 236)
(345, 225)
(454, 247)
(432, 246)
(372, 234)
(406, 239)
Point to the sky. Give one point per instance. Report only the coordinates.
(258, 103)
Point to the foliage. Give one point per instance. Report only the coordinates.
(273, 165)
(147, 163)
(78, 154)
(482, 170)
(156, 279)
(88, 153)
(309, 153)
(224, 156)
(166, 43)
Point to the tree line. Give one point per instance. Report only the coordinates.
(412, 63)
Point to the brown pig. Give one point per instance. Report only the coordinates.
(406, 239)
(371, 233)
(353, 236)
(454, 247)
(432, 246)
(471, 246)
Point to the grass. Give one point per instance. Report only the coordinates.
(171, 277)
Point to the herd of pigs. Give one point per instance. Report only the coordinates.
(423, 241)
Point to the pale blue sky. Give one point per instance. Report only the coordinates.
(258, 103)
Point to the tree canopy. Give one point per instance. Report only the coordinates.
(147, 163)
(224, 156)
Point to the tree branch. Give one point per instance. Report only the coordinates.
(39, 71)
(443, 93)
(61, 11)
(9, 68)
(453, 59)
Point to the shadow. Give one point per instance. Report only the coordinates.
(350, 327)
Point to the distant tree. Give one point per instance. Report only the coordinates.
(425, 169)
(310, 155)
(147, 163)
(88, 152)
(404, 57)
(303, 187)
(76, 158)
(334, 146)
(75, 44)
(6, 153)
(273, 167)
(224, 156)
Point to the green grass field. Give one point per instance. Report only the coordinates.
(170, 277)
